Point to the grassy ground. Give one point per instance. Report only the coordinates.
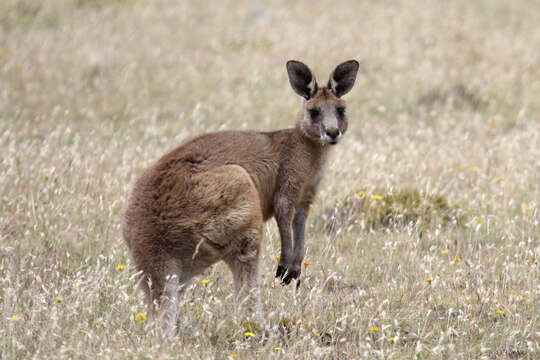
(446, 107)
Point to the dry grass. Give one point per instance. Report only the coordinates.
(447, 104)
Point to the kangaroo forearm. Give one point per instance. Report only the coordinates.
(299, 225)
(284, 225)
(284, 209)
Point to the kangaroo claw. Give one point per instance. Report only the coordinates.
(281, 271)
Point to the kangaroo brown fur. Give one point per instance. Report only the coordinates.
(207, 200)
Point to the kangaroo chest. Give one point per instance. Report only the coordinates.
(311, 182)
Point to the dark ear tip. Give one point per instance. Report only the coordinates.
(292, 63)
(353, 63)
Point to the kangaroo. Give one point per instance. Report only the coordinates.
(208, 199)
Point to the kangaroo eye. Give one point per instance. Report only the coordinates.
(340, 111)
(314, 113)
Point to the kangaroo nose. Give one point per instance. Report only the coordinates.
(332, 133)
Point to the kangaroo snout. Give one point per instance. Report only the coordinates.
(332, 136)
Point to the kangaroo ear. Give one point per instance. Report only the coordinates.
(342, 79)
(302, 80)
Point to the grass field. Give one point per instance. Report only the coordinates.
(424, 241)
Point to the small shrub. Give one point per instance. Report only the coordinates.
(19, 13)
(387, 210)
(459, 97)
(97, 4)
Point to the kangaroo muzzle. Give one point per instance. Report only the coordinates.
(331, 136)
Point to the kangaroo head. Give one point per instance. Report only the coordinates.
(323, 111)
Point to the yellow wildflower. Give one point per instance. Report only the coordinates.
(205, 281)
(306, 262)
(233, 356)
(47, 176)
(248, 333)
(374, 329)
(141, 317)
(500, 312)
(444, 252)
(361, 193)
(59, 299)
(394, 248)
(277, 257)
(429, 280)
(120, 267)
(457, 260)
(527, 207)
(392, 339)
(377, 197)
(16, 317)
(536, 261)
(277, 348)
(479, 219)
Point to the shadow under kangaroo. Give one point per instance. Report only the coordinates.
(208, 199)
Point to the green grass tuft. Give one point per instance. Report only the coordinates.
(382, 209)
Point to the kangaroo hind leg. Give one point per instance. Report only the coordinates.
(244, 265)
(161, 287)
